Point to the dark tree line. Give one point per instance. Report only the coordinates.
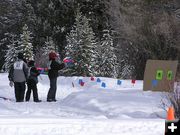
(148, 29)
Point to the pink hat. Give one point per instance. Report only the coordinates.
(52, 55)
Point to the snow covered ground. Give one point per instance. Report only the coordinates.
(83, 110)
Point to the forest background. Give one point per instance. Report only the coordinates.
(117, 36)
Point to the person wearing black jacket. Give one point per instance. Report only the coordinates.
(32, 82)
(53, 68)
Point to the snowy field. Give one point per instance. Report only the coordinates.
(83, 110)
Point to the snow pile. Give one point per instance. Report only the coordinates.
(85, 110)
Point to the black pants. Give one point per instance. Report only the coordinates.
(19, 91)
(52, 91)
(32, 86)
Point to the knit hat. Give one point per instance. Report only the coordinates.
(52, 56)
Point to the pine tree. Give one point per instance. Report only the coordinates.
(25, 45)
(49, 46)
(108, 60)
(42, 52)
(11, 52)
(81, 46)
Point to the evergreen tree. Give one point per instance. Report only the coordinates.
(25, 45)
(42, 53)
(10, 19)
(108, 60)
(96, 11)
(81, 46)
(49, 46)
(11, 52)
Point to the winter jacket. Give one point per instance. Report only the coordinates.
(54, 67)
(33, 74)
(18, 71)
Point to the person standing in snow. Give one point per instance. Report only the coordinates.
(32, 81)
(53, 67)
(18, 76)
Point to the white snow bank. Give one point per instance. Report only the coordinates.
(87, 110)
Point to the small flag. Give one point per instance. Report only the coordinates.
(92, 78)
(98, 80)
(119, 82)
(103, 85)
(133, 81)
(154, 83)
(80, 80)
(82, 84)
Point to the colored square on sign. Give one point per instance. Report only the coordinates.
(154, 82)
(169, 75)
(172, 127)
(159, 75)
